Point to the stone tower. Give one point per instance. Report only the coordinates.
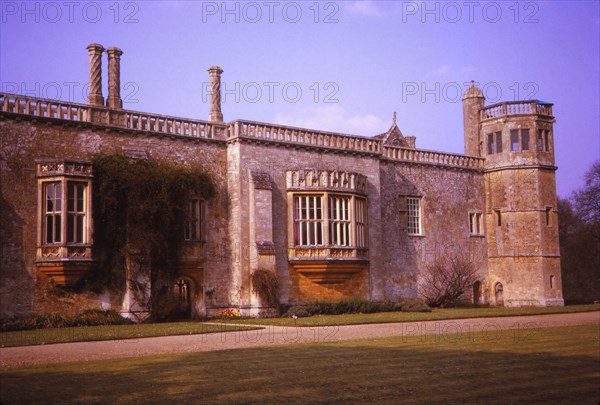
(472, 104)
(517, 141)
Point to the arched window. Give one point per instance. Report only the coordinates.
(182, 289)
(499, 294)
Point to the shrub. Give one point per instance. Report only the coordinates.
(444, 282)
(354, 306)
(51, 320)
(166, 307)
(412, 305)
(298, 311)
(266, 285)
(97, 317)
(89, 317)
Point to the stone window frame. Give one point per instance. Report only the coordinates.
(355, 239)
(65, 213)
(525, 139)
(476, 223)
(415, 227)
(74, 227)
(540, 140)
(65, 174)
(494, 142)
(308, 219)
(514, 140)
(195, 232)
(52, 217)
(360, 220)
(182, 288)
(498, 136)
(548, 212)
(338, 213)
(543, 140)
(520, 140)
(490, 144)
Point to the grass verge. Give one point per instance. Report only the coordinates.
(434, 315)
(546, 365)
(110, 332)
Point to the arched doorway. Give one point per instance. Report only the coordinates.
(183, 292)
(499, 294)
(477, 293)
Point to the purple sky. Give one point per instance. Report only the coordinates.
(337, 66)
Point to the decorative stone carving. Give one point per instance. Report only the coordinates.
(313, 179)
(50, 253)
(48, 168)
(215, 114)
(95, 97)
(114, 78)
(77, 252)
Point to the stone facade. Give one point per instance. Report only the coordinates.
(333, 215)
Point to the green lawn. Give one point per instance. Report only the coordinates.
(547, 365)
(436, 314)
(110, 332)
(91, 333)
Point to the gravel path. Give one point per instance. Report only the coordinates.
(450, 330)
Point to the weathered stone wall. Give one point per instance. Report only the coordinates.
(523, 250)
(448, 196)
(275, 159)
(521, 216)
(24, 141)
(249, 221)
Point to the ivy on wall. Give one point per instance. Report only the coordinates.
(139, 212)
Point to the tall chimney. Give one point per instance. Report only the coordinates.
(95, 97)
(114, 78)
(215, 114)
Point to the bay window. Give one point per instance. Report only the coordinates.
(65, 223)
(64, 238)
(329, 220)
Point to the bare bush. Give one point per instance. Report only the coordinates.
(445, 282)
(266, 285)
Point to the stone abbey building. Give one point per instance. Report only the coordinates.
(333, 215)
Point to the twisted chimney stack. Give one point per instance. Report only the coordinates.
(215, 114)
(95, 97)
(114, 78)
